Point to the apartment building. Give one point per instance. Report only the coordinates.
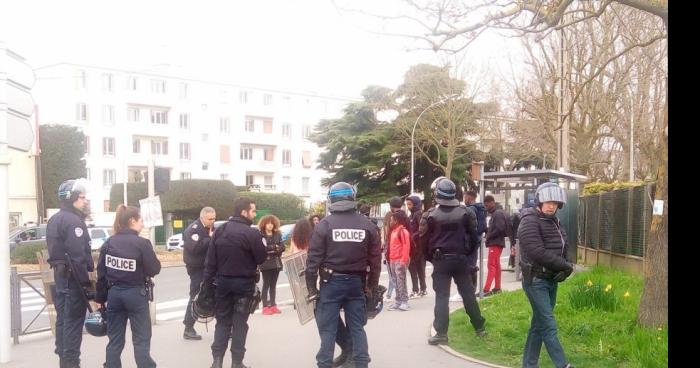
(197, 129)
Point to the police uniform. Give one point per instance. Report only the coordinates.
(448, 233)
(126, 261)
(196, 238)
(67, 237)
(344, 244)
(232, 261)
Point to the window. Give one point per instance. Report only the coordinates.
(185, 121)
(287, 157)
(246, 153)
(306, 132)
(132, 114)
(184, 151)
(225, 154)
(205, 166)
(108, 114)
(205, 137)
(107, 82)
(108, 146)
(224, 176)
(243, 97)
(185, 176)
(81, 112)
(158, 86)
(88, 175)
(159, 148)
(183, 90)
(225, 125)
(267, 99)
(268, 182)
(287, 130)
(132, 83)
(249, 180)
(269, 154)
(267, 126)
(306, 159)
(286, 183)
(108, 176)
(136, 145)
(87, 144)
(159, 117)
(249, 125)
(80, 79)
(305, 185)
(288, 102)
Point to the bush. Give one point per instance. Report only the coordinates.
(599, 187)
(285, 206)
(26, 253)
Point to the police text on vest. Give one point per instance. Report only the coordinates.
(348, 235)
(121, 264)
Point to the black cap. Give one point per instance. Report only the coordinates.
(395, 202)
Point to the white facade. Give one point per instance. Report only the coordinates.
(198, 129)
(22, 188)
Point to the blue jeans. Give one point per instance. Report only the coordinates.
(70, 316)
(128, 303)
(543, 297)
(342, 291)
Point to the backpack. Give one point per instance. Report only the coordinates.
(480, 212)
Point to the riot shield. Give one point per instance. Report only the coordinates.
(295, 265)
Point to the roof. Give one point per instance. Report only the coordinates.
(527, 175)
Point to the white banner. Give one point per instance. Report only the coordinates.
(151, 212)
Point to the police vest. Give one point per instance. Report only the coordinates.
(448, 230)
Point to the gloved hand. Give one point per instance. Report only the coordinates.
(562, 275)
(313, 295)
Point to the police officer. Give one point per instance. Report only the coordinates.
(197, 238)
(127, 262)
(343, 246)
(448, 233)
(68, 242)
(232, 260)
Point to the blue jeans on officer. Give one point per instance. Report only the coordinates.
(128, 303)
(196, 277)
(232, 297)
(445, 269)
(542, 294)
(70, 316)
(342, 291)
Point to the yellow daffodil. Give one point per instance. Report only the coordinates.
(627, 294)
(589, 283)
(609, 286)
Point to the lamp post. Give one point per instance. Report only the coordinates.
(413, 132)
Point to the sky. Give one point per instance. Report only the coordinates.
(299, 45)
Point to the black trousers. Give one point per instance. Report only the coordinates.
(269, 286)
(444, 271)
(70, 316)
(196, 276)
(417, 270)
(232, 297)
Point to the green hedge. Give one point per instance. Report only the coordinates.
(26, 253)
(285, 206)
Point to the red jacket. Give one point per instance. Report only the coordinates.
(400, 245)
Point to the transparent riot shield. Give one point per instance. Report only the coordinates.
(295, 265)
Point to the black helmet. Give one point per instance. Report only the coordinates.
(550, 192)
(342, 197)
(69, 188)
(96, 323)
(445, 192)
(203, 305)
(375, 301)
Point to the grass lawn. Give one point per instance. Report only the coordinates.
(600, 335)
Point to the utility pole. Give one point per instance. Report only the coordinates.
(563, 141)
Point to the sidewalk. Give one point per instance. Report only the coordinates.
(396, 339)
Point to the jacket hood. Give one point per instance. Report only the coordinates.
(417, 203)
(532, 211)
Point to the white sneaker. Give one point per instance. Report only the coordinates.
(404, 307)
(393, 307)
(414, 295)
(456, 298)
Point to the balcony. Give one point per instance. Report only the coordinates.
(266, 188)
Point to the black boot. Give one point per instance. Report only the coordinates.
(238, 365)
(341, 359)
(218, 362)
(438, 340)
(191, 334)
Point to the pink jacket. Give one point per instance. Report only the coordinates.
(400, 245)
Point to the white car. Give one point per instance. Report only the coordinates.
(98, 235)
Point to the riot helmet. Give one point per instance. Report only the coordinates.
(445, 192)
(96, 323)
(70, 189)
(341, 195)
(375, 301)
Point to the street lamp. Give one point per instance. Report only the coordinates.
(413, 132)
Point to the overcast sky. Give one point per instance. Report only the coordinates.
(299, 45)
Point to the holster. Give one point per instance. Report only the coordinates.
(325, 274)
(526, 269)
(149, 285)
(437, 254)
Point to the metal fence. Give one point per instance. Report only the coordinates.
(616, 222)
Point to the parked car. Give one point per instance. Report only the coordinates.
(31, 235)
(98, 235)
(175, 242)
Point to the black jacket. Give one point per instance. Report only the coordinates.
(345, 242)
(542, 242)
(126, 259)
(66, 233)
(497, 229)
(414, 224)
(274, 248)
(236, 250)
(197, 241)
(449, 228)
